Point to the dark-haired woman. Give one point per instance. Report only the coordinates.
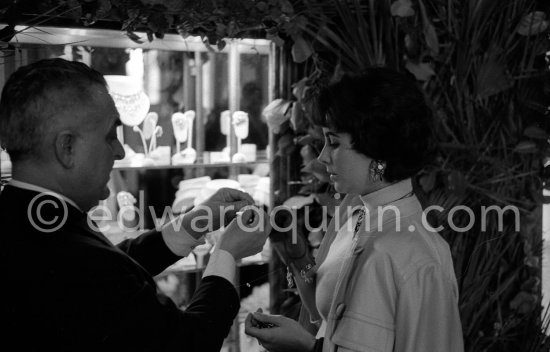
(384, 279)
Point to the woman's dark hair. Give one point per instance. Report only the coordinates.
(387, 116)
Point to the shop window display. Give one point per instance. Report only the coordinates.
(178, 147)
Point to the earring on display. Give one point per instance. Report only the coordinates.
(143, 140)
(151, 131)
(377, 169)
(189, 154)
(179, 126)
(240, 123)
(182, 124)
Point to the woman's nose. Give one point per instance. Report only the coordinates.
(323, 157)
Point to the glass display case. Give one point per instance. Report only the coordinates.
(183, 105)
(172, 75)
(191, 123)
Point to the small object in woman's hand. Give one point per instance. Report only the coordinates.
(265, 325)
(250, 220)
(260, 324)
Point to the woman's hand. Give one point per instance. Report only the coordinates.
(283, 334)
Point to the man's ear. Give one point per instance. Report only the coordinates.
(65, 148)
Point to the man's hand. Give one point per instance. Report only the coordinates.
(216, 212)
(246, 234)
(277, 333)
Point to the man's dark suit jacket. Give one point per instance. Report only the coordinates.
(73, 290)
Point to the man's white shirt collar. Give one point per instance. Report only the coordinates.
(39, 189)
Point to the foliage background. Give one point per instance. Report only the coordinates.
(482, 64)
(484, 67)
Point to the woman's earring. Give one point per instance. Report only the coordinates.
(377, 169)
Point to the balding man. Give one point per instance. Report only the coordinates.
(68, 287)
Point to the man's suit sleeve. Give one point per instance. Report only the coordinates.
(141, 319)
(210, 315)
(150, 251)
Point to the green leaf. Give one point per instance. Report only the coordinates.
(103, 9)
(221, 30)
(276, 113)
(285, 145)
(298, 119)
(134, 37)
(430, 34)
(526, 147)
(221, 44)
(492, 78)
(127, 24)
(262, 6)
(431, 39)
(524, 302)
(427, 181)
(295, 26)
(232, 29)
(286, 7)
(299, 88)
(275, 39)
(456, 182)
(301, 49)
(133, 13)
(532, 24)
(422, 71)
(402, 8)
(535, 132)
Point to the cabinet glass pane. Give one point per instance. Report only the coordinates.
(177, 80)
